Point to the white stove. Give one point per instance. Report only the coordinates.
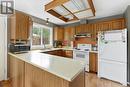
(81, 53)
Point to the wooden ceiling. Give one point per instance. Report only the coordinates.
(60, 9)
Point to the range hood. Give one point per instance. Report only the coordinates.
(88, 35)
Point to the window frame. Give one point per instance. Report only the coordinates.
(41, 46)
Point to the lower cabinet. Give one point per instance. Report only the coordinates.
(35, 77)
(69, 53)
(16, 72)
(23, 74)
(93, 62)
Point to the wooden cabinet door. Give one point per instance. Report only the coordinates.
(69, 33)
(83, 28)
(118, 24)
(36, 77)
(78, 29)
(69, 53)
(25, 28)
(16, 72)
(66, 34)
(12, 20)
(93, 62)
(106, 26)
(59, 34)
(20, 26)
(33, 76)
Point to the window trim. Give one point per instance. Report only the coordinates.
(42, 45)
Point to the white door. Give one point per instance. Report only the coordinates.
(3, 47)
(116, 47)
(81, 56)
(115, 71)
(115, 51)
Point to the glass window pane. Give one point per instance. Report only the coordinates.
(45, 36)
(36, 37)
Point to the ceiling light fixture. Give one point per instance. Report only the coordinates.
(47, 20)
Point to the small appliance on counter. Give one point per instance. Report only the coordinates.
(94, 48)
(19, 47)
(57, 44)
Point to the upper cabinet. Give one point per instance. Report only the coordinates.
(58, 33)
(94, 28)
(69, 33)
(80, 29)
(118, 24)
(20, 25)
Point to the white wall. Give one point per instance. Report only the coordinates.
(3, 47)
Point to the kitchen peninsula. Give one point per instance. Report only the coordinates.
(34, 69)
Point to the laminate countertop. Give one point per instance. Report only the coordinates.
(67, 48)
(62, 67)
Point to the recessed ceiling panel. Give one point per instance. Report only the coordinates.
(69, 17)
(71, 6)
(85, 3)
(84, 14)
(77, 5)
(61, 10)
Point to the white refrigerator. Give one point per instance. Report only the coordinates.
(112, 55)
(3, 47)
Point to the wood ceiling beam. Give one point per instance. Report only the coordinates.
(90, 2)
(70, 12)
(54, 4)
(52, 12)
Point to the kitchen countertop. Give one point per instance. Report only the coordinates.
(53, 49)
(93, 51)
(62, 67)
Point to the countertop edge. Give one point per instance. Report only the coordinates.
(61, 76)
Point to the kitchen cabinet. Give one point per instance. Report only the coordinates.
(69, 33)
(93, 62)
(36, 77)
(118, 24)
(68, 53)
(80, 29)
(20, 25)
(115, 24)
(33, 76)
(16, 72)
(24, 74)
(58, 33)
(111, 25)
(94, 28)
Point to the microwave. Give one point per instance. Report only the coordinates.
(19, 48)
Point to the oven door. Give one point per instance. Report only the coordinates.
(81, 56)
